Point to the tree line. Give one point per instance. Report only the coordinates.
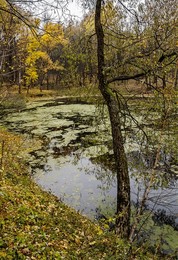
(139, 44)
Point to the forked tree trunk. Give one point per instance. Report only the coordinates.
(123, 182)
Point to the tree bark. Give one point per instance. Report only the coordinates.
(19, 81)
(123, 182)
(176, 79)
(47, 80)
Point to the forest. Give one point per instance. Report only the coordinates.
(102, 88)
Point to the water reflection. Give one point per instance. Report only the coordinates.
(80, 184)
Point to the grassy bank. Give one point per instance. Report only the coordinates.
(35, 225)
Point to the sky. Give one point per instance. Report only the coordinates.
(75, 9)
(55, 10)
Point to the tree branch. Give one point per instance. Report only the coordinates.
(144, 73)
(127, 77)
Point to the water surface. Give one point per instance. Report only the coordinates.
(75, 135)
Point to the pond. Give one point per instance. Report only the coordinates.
(72, 162)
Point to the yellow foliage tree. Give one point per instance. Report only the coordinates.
(39, 59)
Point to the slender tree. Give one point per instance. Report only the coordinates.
(147, 50)
(123, 183)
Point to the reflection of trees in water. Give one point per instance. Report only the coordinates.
(161, 217)
(141, 163)
(63, 151)
(38, 158)
(106, 177)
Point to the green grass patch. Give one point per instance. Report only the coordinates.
(13, 101)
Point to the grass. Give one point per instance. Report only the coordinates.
(10, 98)
(91, 89)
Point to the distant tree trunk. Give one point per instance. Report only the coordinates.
(47, 81)
(28, 89)
(57, 80)
(155, 81)
(164, 81)
(20, 81)
(90, 68)
(40, 82)
(123, 182)
(176, 79)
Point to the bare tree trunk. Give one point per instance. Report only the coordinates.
(176, 79)
(47, 81)
(164, 81)
(20, 81)
(2, 154)
(123, 182)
